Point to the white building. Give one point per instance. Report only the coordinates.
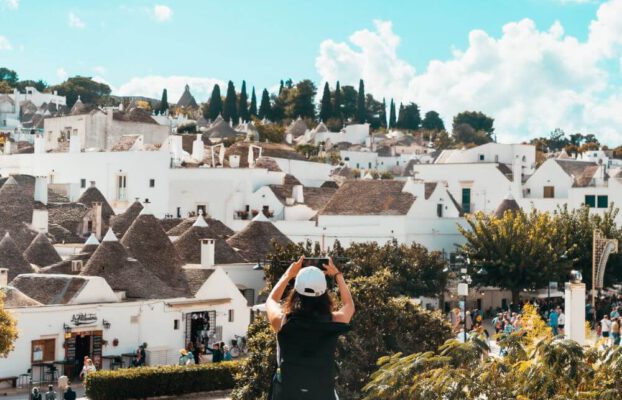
(493, 153)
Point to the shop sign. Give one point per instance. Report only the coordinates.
(83, 319)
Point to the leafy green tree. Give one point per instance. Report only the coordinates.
(392, 116)
(497, 250)
(8, 329)
(409, 117)
(383, 114)
(433, 122)
(301, 100)
(361, 109)
(325, 104)
(89, 91)
(279, 103)
(5, 87)
(337, 103)
(265, 110)
(348, 101)
(273, 133)
(9, 76)
(281, 86)
(442, 140)
(40, 85)
(243, 104)
(557, 140)
(252, 111)
(374, 112)
(163, 102)
(477, 120)
(230, 109)
(214, 106)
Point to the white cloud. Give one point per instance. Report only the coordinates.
(12, 4)
(5, 44)
(98, 69)
(61, 73)
(531, 81)
(75, 21)
(162, 13)
(151, 86)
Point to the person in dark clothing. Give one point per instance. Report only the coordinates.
(35, 395)
(217, 354)
(307, 331)
(69, 394)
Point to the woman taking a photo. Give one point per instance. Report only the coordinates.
(307, 329)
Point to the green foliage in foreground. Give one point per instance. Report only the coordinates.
(138, 383)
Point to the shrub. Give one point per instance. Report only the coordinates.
(136, 383)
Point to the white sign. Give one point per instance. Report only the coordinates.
(463, 289)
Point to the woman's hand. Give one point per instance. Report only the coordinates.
(293, 269)
(331, 270)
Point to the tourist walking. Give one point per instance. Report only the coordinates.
(615, 331)
(217, 354)
(561, 321)
(69, 394)
(226, 354)
(185, 358)
(50, 394)
(307, 329)
(87, 369)
(35, 395)
(605, 328)
(554, 322)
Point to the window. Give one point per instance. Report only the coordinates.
(590, 200)
(43, 350)
(231, 315)
(496, 158)
(202, 210)
(466, 200)
(178, 212)
(603, 201)
(369, 165)
(549, 192)
(481, 157)
(176, 324)
(82, 183)
(439, 210)
(121, 187)
(151, 182)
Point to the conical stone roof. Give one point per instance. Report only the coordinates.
(41, 252)
(254, 242)
(188, 245)
(93, 195)
(507, 204)
(121, 223)
(11, 257)
(146, 241)
(218, 228)
(123, 273)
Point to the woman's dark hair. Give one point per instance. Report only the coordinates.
(320, 307)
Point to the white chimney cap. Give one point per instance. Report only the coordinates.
(92, 240)
(110, 236)
(200, 222)
(261, 218)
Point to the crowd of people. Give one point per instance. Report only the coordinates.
(192, 355)
(51, 394)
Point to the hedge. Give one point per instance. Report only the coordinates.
(140, 383)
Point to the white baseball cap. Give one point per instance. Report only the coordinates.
(310, 282)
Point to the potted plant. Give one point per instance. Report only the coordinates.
(255, 213)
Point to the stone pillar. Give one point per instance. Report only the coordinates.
(575, 312)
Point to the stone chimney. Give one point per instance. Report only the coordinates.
(74, 143)
(208, 252)
(234, 161)
(97, 219)
(198, 149)
(517, 178)
(4, 277)
(298, 194)
(41, 189)
(39, 144)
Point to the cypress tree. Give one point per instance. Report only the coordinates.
(229, 111)
(163, 102)
(383, 114)
(243, 103)
(253, 109)
(392, 116)
(281, 87)
(265, 110)
(214, 107)
(400, 117)
(360, 103)
(337, 102)
(325, 106)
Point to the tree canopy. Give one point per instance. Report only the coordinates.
(8, 329)
(89, 91)
(326, 111)
(230, 108)
(214, 106)
(473, 127)
(243, 104)
(409, 117)
(265, 110)
(361, 109)
(433, 122)
(252, 111)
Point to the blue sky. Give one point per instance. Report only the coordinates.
(140, 46)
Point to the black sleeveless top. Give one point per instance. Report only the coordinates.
(306, 358)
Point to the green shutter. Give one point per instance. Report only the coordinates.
(603, 201)
(590, 200)
(466, 200)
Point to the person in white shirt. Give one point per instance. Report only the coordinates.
(561, 321)
(605, 328)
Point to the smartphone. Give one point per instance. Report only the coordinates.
(320, 262)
